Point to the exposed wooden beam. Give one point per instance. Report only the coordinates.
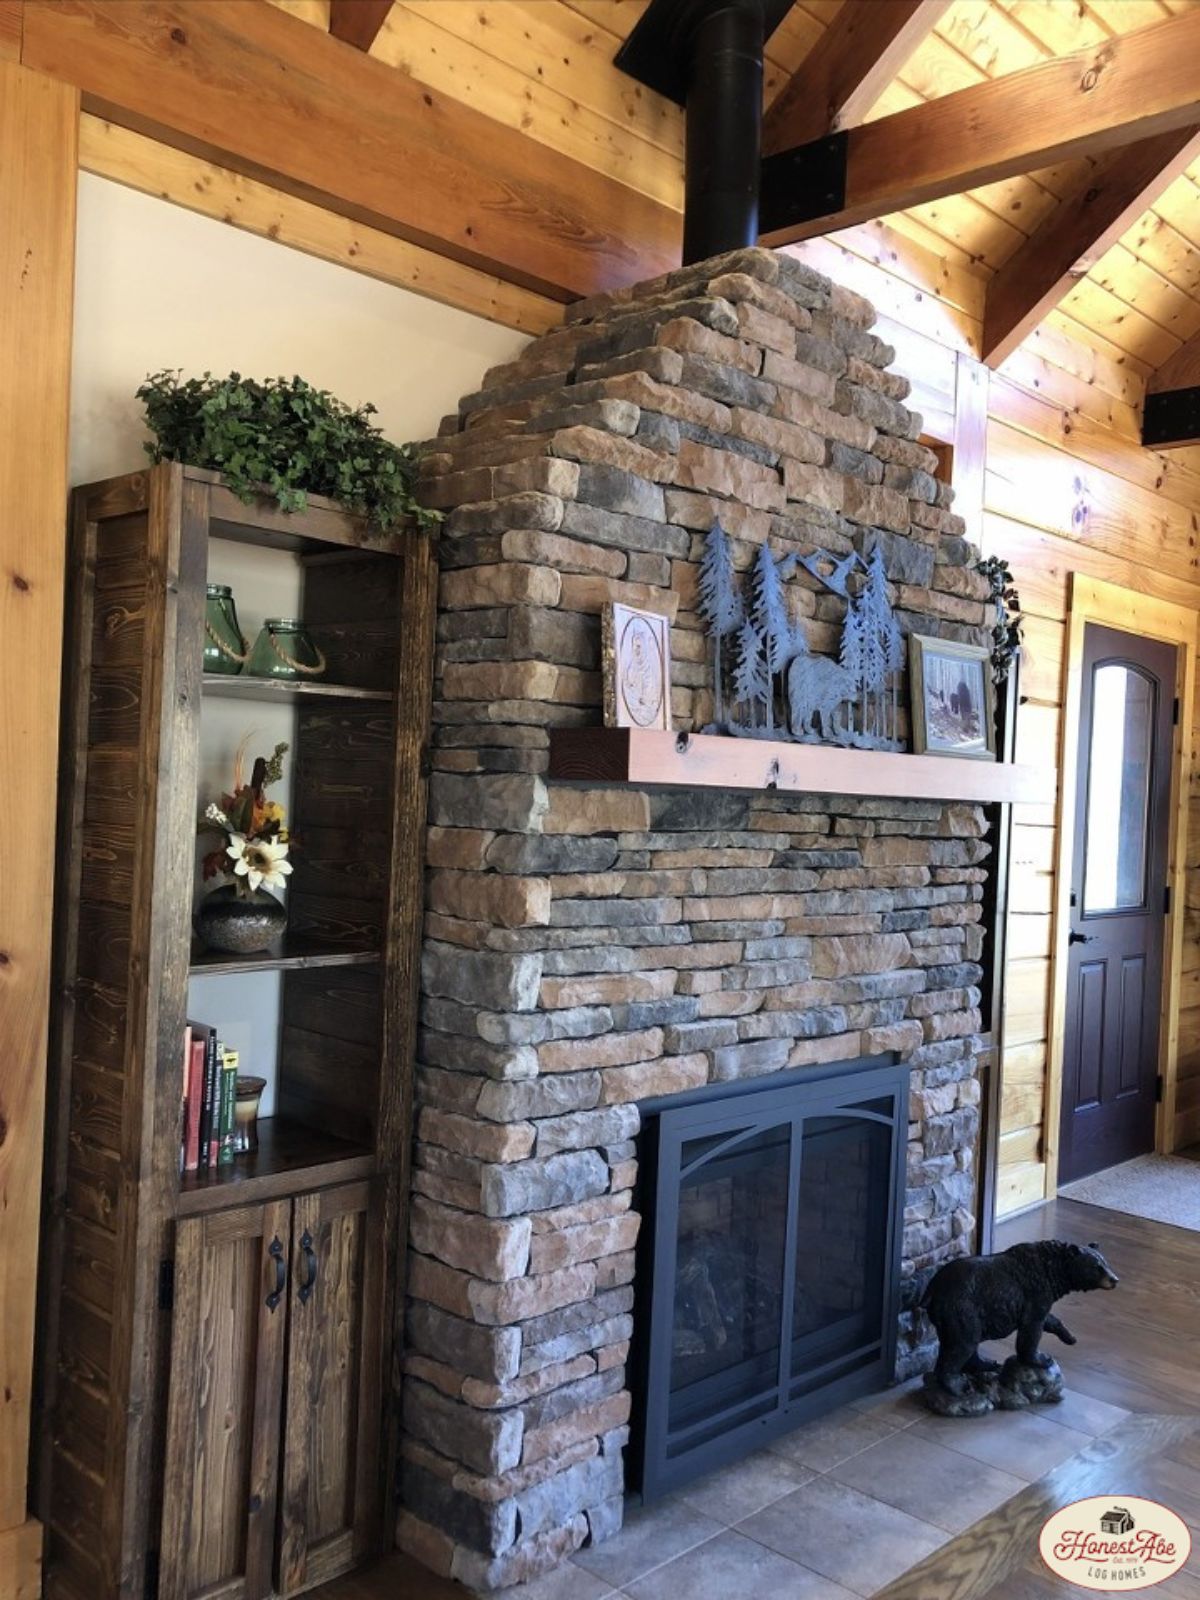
(339, 128)
(39, 122)
(1093, 100)
(1172, 414)
(1182, 371)
(10, 30)
(847, 70)
(1070, 241)
(358, 21)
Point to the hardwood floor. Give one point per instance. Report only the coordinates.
(1137, 1349)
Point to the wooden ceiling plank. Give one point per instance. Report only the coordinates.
(390, 152)
(415, 43)
(1092, 100)
(357, 22)
(847, 69)
(1069, 242)
(1180, 371)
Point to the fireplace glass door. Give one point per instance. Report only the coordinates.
(769, 1290)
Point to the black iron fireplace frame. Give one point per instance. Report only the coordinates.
(660, 1462)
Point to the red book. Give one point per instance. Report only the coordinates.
(183, 1087)
(195, 1095)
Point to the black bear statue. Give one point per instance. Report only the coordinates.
(989, 1297)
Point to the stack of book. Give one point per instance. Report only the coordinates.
(209, 1097)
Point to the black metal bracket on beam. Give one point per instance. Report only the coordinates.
(1172, 417)
(803, 184)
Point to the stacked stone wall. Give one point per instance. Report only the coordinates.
(588, 948)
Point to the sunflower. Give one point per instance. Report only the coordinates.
(259, 861)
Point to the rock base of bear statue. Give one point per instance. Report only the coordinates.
(1011, 1387)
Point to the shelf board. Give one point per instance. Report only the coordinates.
(292, 951)
(290, 1158)
(235, 687)
(652, 756)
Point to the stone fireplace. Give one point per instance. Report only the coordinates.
(593, 951)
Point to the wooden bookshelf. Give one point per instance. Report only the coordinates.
(230, 687)
(155, 1273)
(290, 1158)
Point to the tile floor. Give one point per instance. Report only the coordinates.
(834, 1511)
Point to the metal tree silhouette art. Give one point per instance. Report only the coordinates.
(773, 624)
(849, 701)
(720, 606)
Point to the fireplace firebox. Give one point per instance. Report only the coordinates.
(768, 1285)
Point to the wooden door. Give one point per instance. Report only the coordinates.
(1118, 901)
(223, 1423)
(331, 1460)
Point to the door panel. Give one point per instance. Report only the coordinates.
(333, 1410)
(222, 1451)
(1114, 968)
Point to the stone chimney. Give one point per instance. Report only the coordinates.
(589, 948)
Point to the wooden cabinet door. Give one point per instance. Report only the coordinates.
(330, 1491)
(223, 1420)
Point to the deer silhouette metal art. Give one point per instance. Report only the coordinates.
(767, 683)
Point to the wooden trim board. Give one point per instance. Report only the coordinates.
(703, 760)
(39, 121)
(1093, 600)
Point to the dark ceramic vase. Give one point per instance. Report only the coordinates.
(242, 925)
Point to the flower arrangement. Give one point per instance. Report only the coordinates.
(255, 852)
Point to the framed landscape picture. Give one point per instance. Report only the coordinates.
(953, 711)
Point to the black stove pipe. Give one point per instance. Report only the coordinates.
(724, 129)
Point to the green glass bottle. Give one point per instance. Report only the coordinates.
(284, 650)
(224, 646)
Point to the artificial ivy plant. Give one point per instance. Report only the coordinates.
(284, 436)
(1006, 628)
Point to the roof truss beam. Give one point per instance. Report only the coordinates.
(848, 69)
(357, 22)
(1085, 103)
(1077, 233)
(340, 128)
(1172, 415)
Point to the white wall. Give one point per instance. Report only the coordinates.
(157, 286)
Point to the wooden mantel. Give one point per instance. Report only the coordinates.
(699, 760)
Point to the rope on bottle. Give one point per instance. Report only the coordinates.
(224, 648)
(299, 666)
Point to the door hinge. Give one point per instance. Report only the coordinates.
(150, 1580)
(166, 1285)
(1158, 1090)
(1167, 901)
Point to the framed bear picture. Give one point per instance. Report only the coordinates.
(636, 653)
(953, 705)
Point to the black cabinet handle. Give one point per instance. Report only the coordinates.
(275, 1251)
(310, 1266)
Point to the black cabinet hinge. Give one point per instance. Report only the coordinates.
(150, 1579)
(1158, 1090)
(166, 1285)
